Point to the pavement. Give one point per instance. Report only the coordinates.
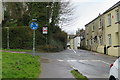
(55, 69)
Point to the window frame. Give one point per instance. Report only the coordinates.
(117, 15)
(109, 19)
(109, 39)
(100, 23)
(93, 27)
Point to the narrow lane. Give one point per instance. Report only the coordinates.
(90, 64)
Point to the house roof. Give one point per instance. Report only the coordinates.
(114, 6)
(111, 8)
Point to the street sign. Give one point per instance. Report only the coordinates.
(45, 30)
(34, 25)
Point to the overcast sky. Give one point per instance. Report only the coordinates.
(85, 11)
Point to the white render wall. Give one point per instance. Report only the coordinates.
(76, 42)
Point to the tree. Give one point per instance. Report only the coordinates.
(14, 12)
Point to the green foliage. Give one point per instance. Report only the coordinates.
(20, 66)
(22, 38)
(4, 38)
(22, 15)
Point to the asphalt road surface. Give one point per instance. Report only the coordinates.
(90, 64)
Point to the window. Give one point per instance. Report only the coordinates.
(100, 23)
(117, 15)
(86, 43)
(101, 40)
(93, 27)
(109, 39)
(93, 41)
(90, 42)
(86, 29)
(98, 40)
(109, 19)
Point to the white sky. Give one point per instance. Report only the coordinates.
(86, 11)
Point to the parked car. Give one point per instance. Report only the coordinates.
(115, 70)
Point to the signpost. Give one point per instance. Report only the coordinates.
(34, 26)
(45, 31)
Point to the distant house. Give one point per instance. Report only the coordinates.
(76, 42)
(73, 42)
(70, 43)
(82, 39)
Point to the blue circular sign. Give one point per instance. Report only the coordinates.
(34, 25)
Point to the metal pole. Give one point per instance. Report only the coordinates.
(8, 38)
(33, 42)
(47, 20)
(46, 39)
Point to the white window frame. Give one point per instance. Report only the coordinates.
(117, 15)
(93, 27)
(100, 23)
(100, 40)
(93, 41)
(86, 43)
(109, 39)
(86, 29)
(89, 42)
(109, 19)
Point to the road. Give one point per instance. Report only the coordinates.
(90, 64)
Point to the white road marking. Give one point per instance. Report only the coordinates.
(71, 60)
(88, 60)
(94, 61)
(60, 60)
(83, 61)
(74, 51)
(105, 62)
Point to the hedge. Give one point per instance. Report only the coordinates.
(22, 38)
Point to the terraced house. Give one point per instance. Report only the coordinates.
(103, 33)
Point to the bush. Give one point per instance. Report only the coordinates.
(22, 38)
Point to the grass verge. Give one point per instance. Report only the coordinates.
(19, 50)
(78, 76)
(20, 65)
